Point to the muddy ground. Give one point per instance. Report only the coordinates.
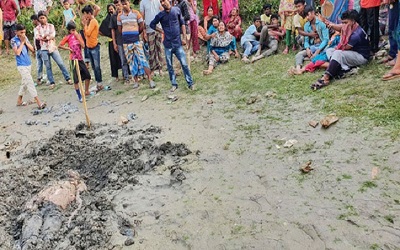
(192, 174)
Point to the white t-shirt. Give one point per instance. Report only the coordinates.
(150, 8)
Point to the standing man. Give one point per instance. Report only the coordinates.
(10, 13)
(130, 23)
(172, 23)
(46, 34)
(42, 5)
(39, 61)
(117, 40)
(369, 17)
(149, 9)
(91, 31)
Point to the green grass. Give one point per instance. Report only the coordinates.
(363, 97)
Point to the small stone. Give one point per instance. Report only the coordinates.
(289, 143)
(144, 98)
(270, 94)
(157, 215)
(210, 101)
(313, 123)
(129, 241)
(329, 120)
(122, 120)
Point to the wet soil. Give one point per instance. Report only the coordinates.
(108, 159)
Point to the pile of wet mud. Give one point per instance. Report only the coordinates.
(107, 158)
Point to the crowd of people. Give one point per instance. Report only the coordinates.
(138, 38)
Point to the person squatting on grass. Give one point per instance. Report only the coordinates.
(130, 24)
(353, 49)
(221, 45)
(172, 23)
(75, 44)
(46, 34)
(21, 47)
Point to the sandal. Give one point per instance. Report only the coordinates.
(42, 105)
(319, 84)
(207, 72)
(285, 51)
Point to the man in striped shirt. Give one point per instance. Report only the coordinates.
(130, 23)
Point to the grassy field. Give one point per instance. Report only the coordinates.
(363, 97)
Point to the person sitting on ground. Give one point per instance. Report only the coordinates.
(319, 61)
(353, 49)
(21, 45)
(234, 24)
(249, 39)
(220, 48)
(211, 31)
(205, 24)
(266, 17)
(75, 45)
(313, 45)
(269, 38)
(299, 20)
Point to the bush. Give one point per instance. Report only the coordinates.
(252, 8)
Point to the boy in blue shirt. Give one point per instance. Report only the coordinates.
(20, 45)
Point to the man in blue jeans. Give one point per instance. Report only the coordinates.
(249, 39)
(46, 34)
(393, 22)
(91, 30)
(172, 23)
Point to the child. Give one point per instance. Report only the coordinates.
(20, 45)
(266, 17)
(287, 10)
(75, 44)
(276, 31)
(69, 14)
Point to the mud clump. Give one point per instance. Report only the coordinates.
(107, 158)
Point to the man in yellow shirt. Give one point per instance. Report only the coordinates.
(91, 31)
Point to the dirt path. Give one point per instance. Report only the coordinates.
(243, 189)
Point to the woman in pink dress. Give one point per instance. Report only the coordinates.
(234, 24)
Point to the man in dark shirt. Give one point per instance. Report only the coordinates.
(172, 24)
(353, 49)
(117, 41)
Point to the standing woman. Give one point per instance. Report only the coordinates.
(104, 30)
(210, 3)
(193, 25)
(234, 24)
(395, 71)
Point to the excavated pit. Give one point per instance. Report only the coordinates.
(107, 158)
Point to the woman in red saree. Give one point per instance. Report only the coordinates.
(234, 24)
(213, 4)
